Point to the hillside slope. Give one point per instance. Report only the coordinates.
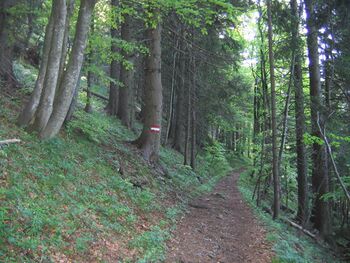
(87, 195)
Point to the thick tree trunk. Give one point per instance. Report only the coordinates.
(126, 77)
(276, 183)
(303, 210)
(149, 140)
(112, 107)
(320, 211)
(71, 75)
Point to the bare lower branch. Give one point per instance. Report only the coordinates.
(9, 141)
(329, 150)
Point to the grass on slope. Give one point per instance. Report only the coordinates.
(65, 199)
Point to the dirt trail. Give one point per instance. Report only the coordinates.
(219, 227)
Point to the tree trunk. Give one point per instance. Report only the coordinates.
(65, 49)
(170, 121)
(193, 113)
(45, 107)
(149, 140)
(320, 211)
(88, 106)
(6, 45)
(126, 77)
(180, 101)
(276, 185)
(90, 74)
(112, 107)
(303, 210)
(74, 101)
(28, 112)
(188, 119)
(71, 75)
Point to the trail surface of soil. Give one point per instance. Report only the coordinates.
(219, 227)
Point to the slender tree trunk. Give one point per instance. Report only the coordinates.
(276, 184)
(149, 140)
(6, 44)
(303, 210)
(126, 77)
(170, 122)
(90, 80)
(28, 112)
(45, 107)
(180, 102)
(65, 50)
(329, 68)
(112, 107)
(70, 76)
(74, 101)
(320, 211)
(193, 112)
(90, 74)
(188, 121)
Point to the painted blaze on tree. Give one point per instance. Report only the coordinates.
(149, 140)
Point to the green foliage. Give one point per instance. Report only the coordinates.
(311, 139)
(172, 213)
(215, 156)
(65, 194)
(91, 125)
(152, 244)
(25, 74)
(288, 245)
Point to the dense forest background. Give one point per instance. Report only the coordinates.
(170, 95)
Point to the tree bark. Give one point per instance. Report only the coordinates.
(303, 209)
(188, 119)
(53, 65)
(276, 184)
(28, 112)
(180, 102)
(320, 183)
(112, 107)
(126, 77)
(193, 113)
(71, 75)
(6, 45)
(170, 121)
(90, 74)
(149, 140)
(74, 101)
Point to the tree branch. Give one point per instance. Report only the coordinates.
(329, 150)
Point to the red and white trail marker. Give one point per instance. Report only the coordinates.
(155, 129)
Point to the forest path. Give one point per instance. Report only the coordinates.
(220, 227)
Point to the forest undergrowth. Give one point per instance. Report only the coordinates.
(88, 195)
(290, 245)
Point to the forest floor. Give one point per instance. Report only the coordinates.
(220, 227)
